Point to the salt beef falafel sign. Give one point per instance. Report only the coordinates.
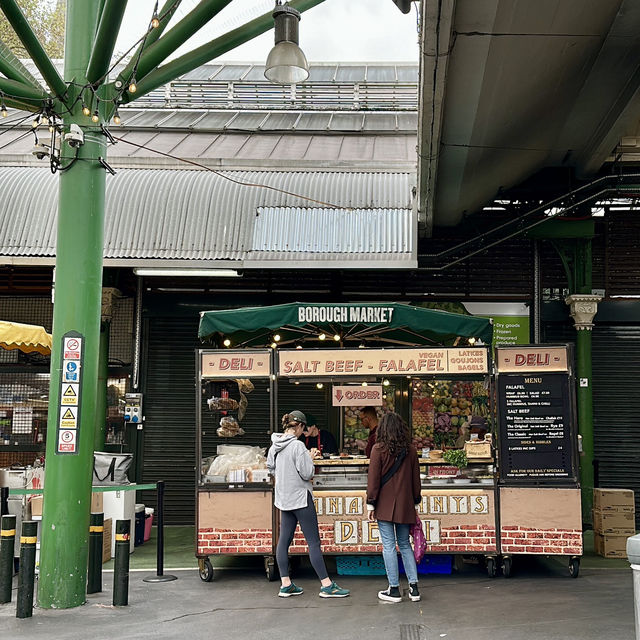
(387, 362)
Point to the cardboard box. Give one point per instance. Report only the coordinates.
(97, 502)
(36, 505)
(610, 546)
(613, 500)
(106, 541)
(615, 522)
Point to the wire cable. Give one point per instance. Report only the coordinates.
(238, 182)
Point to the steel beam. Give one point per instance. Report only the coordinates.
(33, 46)
(153, 55)
(14, 69)
(105, 41)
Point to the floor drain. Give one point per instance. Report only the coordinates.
(412, 632)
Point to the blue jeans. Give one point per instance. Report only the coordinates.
(390, 532)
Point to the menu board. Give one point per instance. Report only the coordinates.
(536, 435)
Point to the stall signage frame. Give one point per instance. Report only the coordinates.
(536, 417)
(316, 363)
(245, 363)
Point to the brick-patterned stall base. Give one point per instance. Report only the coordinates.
(222, 541)
(549, 541)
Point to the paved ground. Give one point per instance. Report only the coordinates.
(540, 602)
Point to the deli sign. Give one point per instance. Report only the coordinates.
(357, 396)
(528, 359)
(235, 364)
(386, 362)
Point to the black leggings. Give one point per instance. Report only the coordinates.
(309, 524)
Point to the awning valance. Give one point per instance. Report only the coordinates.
(376, 323)
(27, 338)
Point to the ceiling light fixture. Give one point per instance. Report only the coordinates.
(286, 63)
(194, 273)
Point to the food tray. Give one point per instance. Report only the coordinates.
(360, 566)
(439, 480)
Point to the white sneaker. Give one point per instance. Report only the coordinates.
(391, 594)
(414, 594)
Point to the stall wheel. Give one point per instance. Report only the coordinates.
(205, 569)
(270, 568)
(506, 566)
(492, 568)
(574, 567)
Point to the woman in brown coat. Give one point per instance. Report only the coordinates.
(393, 491)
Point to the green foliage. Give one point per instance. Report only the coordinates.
(456, 457)
(46, 18)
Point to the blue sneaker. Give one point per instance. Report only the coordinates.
(333, 591)
(291, 590)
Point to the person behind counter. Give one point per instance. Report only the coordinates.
(291, 463)
(318, 441)
(393, 491)
(369, 420)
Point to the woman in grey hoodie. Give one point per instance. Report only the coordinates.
(291, 464)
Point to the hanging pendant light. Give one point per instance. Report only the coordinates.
(286, 63)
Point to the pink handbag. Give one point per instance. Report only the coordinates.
(419, 541)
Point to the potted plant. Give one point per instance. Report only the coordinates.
(457, 458)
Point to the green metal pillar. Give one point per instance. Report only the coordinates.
(65, 527)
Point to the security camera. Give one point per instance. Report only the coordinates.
(40, 151)
(75, 137)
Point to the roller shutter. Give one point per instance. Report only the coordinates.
(169, 408)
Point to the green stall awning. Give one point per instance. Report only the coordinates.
(375, 324)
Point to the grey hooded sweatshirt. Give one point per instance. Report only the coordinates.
(290, 462)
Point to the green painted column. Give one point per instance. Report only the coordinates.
(65, 526)
(103, 375)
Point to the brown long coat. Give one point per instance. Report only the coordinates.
(396, 501)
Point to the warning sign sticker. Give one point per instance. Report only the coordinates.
(73, 345)
(67, 440)
(69, 418)
(70, 394)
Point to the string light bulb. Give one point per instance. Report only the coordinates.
(385, 382)
(322, 336)
(276, 337)
(116, 118)
(36, 122)
(336, 337)
(3, 110)
(155, 21)
(95, 117)
(227, 342)
(133, 87)
(273, 345)
(85, 110)
(44, 119)
(472, 341)
(319, 385)
(298, 346)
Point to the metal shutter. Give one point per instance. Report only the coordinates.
(169, 408)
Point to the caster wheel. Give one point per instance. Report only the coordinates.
(506, 566)
(574, 567)
(270, 569)
(492, 567)
(205, 569)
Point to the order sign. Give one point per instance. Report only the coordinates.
(387, 362)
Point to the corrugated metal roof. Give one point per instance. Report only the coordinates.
(203, 216)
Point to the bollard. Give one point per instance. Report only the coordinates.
(4, 501)
(7, 542)
(121, 564)
(27, 573)
(96, 532)
(160, 576)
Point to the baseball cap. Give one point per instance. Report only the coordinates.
(298, 416)
(311, 420)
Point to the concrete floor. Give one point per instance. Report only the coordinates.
(540, 602)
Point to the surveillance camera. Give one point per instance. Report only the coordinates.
(75, 137)
(40, 151)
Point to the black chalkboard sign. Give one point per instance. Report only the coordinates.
(536, 437)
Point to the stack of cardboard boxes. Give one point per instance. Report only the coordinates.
(613, 521)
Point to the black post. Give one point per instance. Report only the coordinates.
(4, 501)
(160, 577)
(27, 573)
(96, 533)
(121, 564)
(7, 544)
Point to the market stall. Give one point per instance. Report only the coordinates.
(387, 356)
(540, 508)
